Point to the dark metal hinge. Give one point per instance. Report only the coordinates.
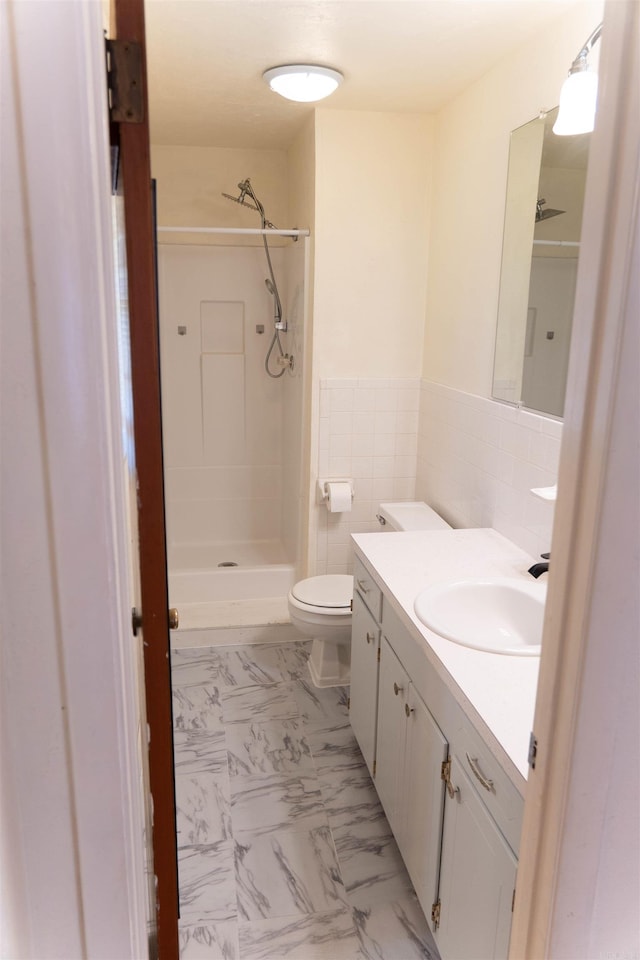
(375, 764)
(124, 81)
(435, 914)
(136, 621)
(533, 751)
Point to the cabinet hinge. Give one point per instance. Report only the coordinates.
(445, 774)
(533, 750)
(124, 81)
(435, 914)
(348, 703)
(375, 764)
(378, 654)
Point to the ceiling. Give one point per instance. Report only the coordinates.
(206, 59)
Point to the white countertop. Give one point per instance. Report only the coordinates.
(499, 689)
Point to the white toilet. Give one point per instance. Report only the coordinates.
(320, 607)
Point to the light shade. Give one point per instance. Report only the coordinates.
(303, 82)
(577, 108)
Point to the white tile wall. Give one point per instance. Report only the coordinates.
(474, 460)
(477, 462)
(368, 431)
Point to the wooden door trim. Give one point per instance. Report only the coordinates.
(135, 167)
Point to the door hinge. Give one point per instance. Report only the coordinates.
(378, 654)
(445, 774)
(435, 915)
(125, 88)
(375, 764)
(348, 703)
(136, 621)
(513, 900)
(533, 750)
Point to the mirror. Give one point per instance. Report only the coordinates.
(541, 246)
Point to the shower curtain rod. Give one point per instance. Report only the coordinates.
(241, 230)
(556, 243)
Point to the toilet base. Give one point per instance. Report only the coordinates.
(330, 663)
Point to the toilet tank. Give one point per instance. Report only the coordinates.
(410, 515)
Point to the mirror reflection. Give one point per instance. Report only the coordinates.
(541, 247)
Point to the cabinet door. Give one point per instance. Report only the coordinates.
(477, 878)
(365, 643)
(392, 722)
(423, 800)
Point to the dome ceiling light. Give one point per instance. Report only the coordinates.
(303, 82)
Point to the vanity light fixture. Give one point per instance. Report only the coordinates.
(303, 82)
(579, 94)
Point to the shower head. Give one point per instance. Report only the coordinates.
(546, 214)
(241, 201)
(247, 191)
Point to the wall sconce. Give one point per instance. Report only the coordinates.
(579, 94)
(303, 82)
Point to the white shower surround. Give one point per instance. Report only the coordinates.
(243, 507)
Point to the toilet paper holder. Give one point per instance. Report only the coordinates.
(322, 490)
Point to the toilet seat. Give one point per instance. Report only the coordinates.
(328, 595)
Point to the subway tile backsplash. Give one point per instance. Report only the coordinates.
(368, 431)
(473, 459)
(478, 460)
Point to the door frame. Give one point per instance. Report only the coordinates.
(135, 167)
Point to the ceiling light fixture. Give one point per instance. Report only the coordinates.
(579, 94)
(303, 82)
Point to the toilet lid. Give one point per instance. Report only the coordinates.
(331, 590)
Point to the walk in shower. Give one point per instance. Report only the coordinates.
(232, 419)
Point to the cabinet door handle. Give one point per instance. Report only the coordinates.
(473, 763)
(397, 689)
(408, 710)
(371, 637)
(361, 586)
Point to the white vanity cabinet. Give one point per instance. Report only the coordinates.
(455, 813)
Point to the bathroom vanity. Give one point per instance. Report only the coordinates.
(445, 731)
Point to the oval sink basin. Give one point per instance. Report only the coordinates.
(494, 615)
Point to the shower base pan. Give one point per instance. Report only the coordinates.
(229, 584)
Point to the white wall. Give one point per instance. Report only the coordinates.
(470, 175)
(191, 181)
(373, 177)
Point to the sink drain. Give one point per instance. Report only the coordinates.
(228, 563)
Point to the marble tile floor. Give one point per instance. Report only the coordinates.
(284, 850)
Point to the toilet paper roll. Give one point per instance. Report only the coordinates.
(338, 497)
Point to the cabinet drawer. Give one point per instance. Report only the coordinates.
(368, 589)
(491, 783)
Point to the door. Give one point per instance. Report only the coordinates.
(423, 800)
(363, 692)
(477, 878)
(127, 18)
(392, 721)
